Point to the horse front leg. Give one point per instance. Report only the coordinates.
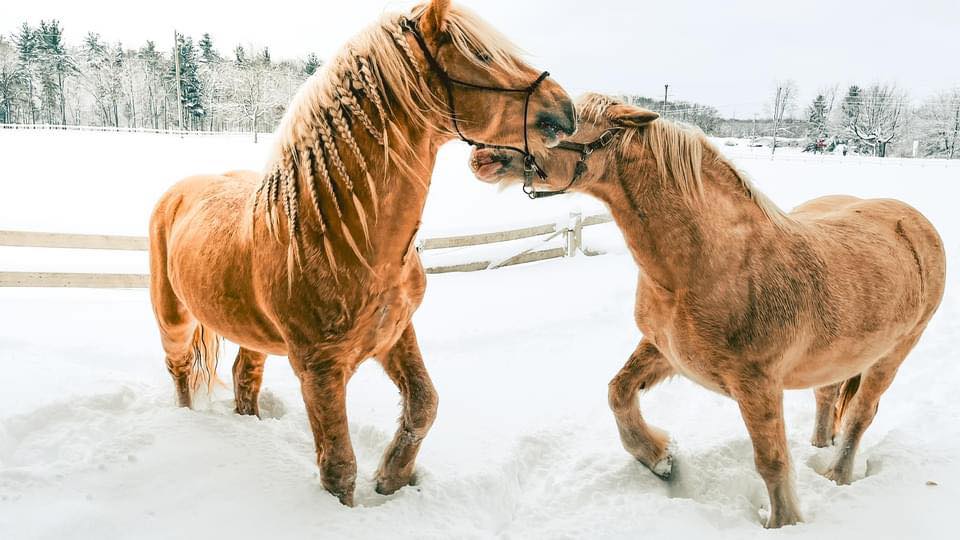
(323, 383)
(404, 365)
(761, 405)
(645, 368)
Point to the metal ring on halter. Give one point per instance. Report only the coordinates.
(412, 26)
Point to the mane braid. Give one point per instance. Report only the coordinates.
(371, 89)
(343, 128)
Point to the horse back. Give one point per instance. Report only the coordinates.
(880, 254)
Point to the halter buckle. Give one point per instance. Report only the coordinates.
(605, 138)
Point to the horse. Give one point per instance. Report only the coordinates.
(314, 258)
(741, 297)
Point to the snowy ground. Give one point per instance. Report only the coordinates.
(524, 446)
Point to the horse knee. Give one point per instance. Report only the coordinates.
(620, 395)
(424, 401)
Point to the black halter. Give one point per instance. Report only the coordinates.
(530, 164)
(585, 150)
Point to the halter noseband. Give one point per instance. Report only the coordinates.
(530, 165)
(585, 150)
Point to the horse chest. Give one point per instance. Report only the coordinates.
(389, 315)
(660, 315)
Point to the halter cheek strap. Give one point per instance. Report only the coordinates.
(529, 162)
(585, 150)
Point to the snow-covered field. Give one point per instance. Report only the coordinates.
(524, 446)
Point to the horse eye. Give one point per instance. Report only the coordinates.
(483, 57)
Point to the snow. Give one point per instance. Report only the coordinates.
(524, 446)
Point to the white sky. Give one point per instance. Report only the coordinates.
(723, 53)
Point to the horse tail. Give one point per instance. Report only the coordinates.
(847, 391)
(206, 354)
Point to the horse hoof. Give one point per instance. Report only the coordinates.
(838, 477)
(663, 468)
(390, 486)
(246, 410)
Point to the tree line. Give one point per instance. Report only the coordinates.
(194, 86)
(191, 86)
(877, 119)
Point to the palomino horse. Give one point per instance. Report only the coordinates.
(315, 258)
(741, 297)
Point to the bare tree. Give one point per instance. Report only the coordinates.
(879, 117)
(255, 91)
(939, 119)
(784, 101)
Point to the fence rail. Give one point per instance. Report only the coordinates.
(572, 232)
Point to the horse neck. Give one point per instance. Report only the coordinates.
(393, 214)
(679, 244)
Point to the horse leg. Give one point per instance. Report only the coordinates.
(404, 365)
(645, 368)
(178, 363)
(761, 406)
(860, 409)
(247, 376)
(324, 384)
(174, 321)
(824, 429)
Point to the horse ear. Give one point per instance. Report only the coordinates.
(434, 19)
(630, 116)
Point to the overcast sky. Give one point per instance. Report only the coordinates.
(724, 53)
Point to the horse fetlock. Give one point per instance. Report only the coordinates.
(782, 517)
(821, 439)
(648, 444)
(784, 509)
(840, 474)
(184, 399)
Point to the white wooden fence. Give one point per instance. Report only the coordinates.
(572, 233)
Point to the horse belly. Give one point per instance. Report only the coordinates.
(840, 360)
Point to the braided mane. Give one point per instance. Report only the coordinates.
(323, 121)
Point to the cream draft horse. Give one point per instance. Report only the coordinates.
(741, 297)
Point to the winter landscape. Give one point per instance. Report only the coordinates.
(92, 444)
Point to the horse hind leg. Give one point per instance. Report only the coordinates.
(191, 350)
(825, 425)
(859, 406)
(247, 376)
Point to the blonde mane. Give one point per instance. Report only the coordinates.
(679, 150)
(378, 69)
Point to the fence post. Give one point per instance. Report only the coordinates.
(574, 234)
